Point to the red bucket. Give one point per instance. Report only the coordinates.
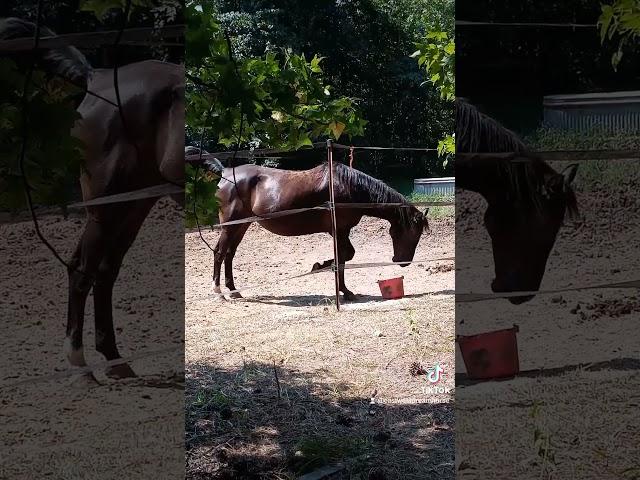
(491, 354)
(392, 288)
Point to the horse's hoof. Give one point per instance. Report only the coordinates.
(316, 266)
(217, 294)
(118, 372)
(350, 297)
(236, 295)
(83, 381)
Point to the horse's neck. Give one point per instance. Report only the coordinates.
(480, 175)
(392, 215)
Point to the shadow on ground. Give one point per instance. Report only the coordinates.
(622, 364)
(238, 427)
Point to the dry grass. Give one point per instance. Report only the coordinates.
(62, 429)
(328, 365)
(587, 420)
(564, 424)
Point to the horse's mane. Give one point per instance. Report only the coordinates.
(212, 164)
(477, 132)
(66, 61)
(359, 187)
(526, 181)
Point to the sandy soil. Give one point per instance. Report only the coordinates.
(557, 332)
(328, 364)
(61, 428)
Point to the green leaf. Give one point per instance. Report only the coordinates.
(337, 128)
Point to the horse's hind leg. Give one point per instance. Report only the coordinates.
(82, 272)
(228, 260)
(107, 274)
(320, 266)
(219, 252)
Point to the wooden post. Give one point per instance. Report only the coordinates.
(334, 227)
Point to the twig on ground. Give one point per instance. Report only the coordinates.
(275, 373)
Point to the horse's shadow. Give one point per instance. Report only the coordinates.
(322, 300)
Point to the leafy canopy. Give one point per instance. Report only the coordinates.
(52, 156)
(620, 20)
(277, 100)
(436, 55)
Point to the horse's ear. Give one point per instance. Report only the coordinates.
(558, 183)
(425, 221)
(569, 173)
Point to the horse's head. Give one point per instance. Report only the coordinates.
(523, 232)
(406, 232)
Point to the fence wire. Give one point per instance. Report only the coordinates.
(71, 372)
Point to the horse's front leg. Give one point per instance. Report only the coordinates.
(348, 294)
(346, 252)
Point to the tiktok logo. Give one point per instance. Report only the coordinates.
(435, 373)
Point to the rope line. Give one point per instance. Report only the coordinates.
(468, 23)
(555, 155)
(268, 216)
(351, 266)
(143, 193)
(258, 152)
(395, 205)
(90, 39)
(399, 149)
(70, 372)
(324, 270)
(327, 206)
(480, 297)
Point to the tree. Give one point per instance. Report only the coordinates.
(276, 100)
(436, 55)
(52, 157)
(364, 46)
(620, 20)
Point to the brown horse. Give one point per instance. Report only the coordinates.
(257, 191)
(527, 199)
(147, 150)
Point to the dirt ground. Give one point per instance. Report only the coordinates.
(583, 420)
(61, 428)
(328, 365)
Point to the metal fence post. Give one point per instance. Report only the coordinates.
(332, 208)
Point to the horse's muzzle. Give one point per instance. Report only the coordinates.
(497, 287)
(402, 263)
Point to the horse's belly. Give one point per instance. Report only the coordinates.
(299, 224)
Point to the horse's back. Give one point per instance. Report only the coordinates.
(146, 90)
(136, 81)
(253, 190)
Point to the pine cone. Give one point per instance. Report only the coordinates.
(416, 369)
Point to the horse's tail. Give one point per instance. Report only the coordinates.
(212, 164)
(66, 61)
